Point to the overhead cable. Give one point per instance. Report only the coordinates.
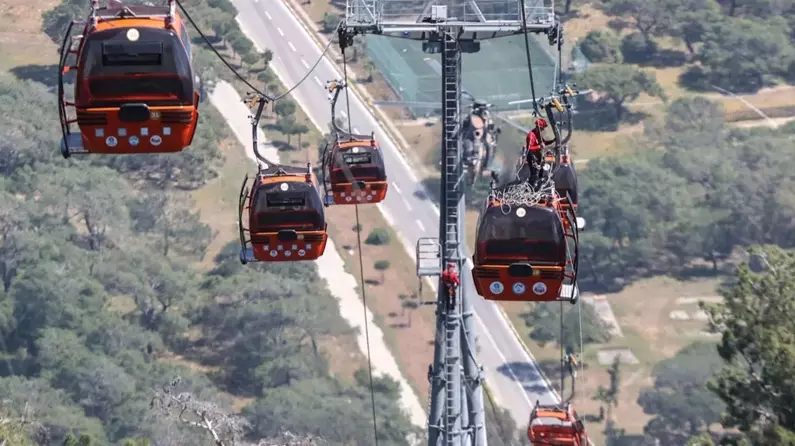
(238, 75)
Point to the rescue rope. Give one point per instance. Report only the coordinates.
(240, 76)
(581, 378)
(522, 194)
(527, 53)
(563, 360)
(347, 93)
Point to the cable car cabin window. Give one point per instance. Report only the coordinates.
(297, 208)
(153, 66)
(362, 166)
(538, 236)
(183, 34)
(353, 159)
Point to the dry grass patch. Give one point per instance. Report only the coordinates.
(408, 333)
(21, 39)
(643, 311)
(344, 356)
(317, 9)
(587, 19)
(217, 200)
(424, 142)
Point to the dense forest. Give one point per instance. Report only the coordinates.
(694, 192)
(739, 45)
(102, 285)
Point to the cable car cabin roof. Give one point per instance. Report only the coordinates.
(534, 233)
(123, 64)
(283, 173)
(286, 203)
(551, 421)
(139, 10)
(363, 159)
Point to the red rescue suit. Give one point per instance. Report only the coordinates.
(450, 278)
(533, 140)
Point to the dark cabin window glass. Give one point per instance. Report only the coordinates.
(186, 41)
(353, 159)
(362, 165)
(537, 236)
(298, 207)
(154, 65)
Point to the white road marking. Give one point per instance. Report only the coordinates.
(419, 223)
(408, 206)
(268, 15)
(318, 81)
(292, 47)
(281, 33)
(395, 186)
(305, 63)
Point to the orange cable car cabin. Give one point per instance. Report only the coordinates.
(523, 253)
(565, 178)
(134, 90)
(555, 426)
(286, 220)
(356, 173)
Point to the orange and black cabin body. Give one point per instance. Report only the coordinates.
(286, 225)
(520, 255)
(556, 427)
(134, 89)
(565, 178)
(357, 173)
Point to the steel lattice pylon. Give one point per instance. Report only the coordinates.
(448, 28)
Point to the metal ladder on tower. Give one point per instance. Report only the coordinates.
(451, 70)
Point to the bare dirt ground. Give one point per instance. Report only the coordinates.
(643, 311)
(21, 39)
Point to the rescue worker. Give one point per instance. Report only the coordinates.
(451, 282)
(571, 367)
(571, 364)
(534, 144)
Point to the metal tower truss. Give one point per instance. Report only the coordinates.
(472, 19)
(449, 28)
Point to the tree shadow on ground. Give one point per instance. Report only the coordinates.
(667, 58)
(46, 74)
(600, 116)
(531, 376)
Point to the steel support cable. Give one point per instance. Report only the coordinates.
(527, 53)
(366, 324)
(562, 357)
(558, 75)
(488, 394)
(310, 71)
(240, 76)
(361, 261)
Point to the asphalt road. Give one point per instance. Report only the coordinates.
(511, 372)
